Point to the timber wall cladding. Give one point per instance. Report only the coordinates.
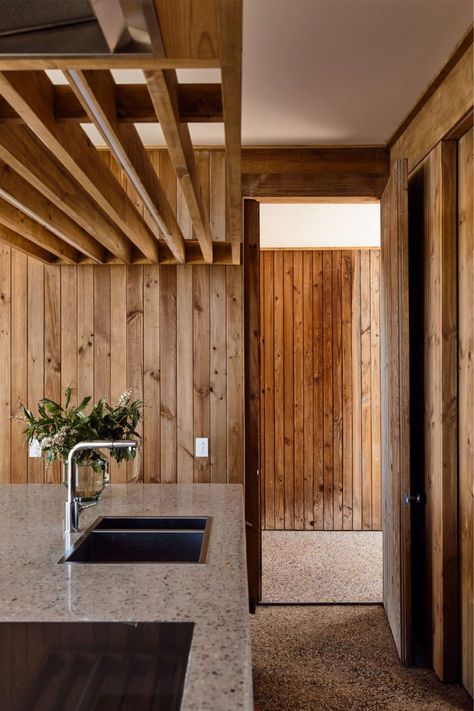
(173, 334)
(320, 390)
(466, 402)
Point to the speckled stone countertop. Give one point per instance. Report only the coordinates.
(34, 587)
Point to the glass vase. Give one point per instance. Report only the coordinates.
(92, 476)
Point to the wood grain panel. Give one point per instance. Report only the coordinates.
(52, 349)
(466, 403)
(201, 326)
(395, 417)
(168, 373)
(313, 437)
(356, 396)
(36, 325)
(337, 389)
(235, 365)
(433, 221)
(151, 372)
(307, 379)
(5, 358)
(346, 297)
(275, 313)
(298, 392)
(366, 412)
(328, 423)
(19, 364)
(218, 367)
(135, 354)
(268, 404)
(85, 332)
(101, 333)
(118, 350)
(318, 405)
(184, 366)
(288, 390)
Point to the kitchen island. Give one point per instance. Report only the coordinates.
(34, 587)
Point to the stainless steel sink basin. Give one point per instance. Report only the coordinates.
(142, 539)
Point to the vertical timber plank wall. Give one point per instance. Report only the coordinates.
(173, 334)
(432, 202)
(466, 402)
(320, 390)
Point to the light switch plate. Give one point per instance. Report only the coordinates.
(34, 449)
(202, 447)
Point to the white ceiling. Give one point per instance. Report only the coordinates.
(330, 71)
(341, 71)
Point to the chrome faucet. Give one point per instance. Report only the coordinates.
(73, 507)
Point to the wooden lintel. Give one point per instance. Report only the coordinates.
(198, 103)
(315, 172)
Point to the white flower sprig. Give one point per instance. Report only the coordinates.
(124, 398)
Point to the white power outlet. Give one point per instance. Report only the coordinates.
(202, 447)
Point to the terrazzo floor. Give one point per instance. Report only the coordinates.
(322, 566)
(339, 658)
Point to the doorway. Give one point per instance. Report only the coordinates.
(320, 478)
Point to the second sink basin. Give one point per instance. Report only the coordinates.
(142, 539)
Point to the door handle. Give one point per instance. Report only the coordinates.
(412, 499)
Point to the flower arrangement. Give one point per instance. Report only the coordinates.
(57, 429)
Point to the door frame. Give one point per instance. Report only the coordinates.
(252, 400)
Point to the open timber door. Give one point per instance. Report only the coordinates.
(252, 399)
(395, 403)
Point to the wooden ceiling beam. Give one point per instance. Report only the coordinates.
(23, 151)
(229, 16)
(22, 195)
(31, 230)
(24, 245)
(197, 103)
(30, 94)
(189, 29)
(322, 171)
(163, 92)
(96, 92)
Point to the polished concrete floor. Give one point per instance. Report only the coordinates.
(339, 658)
(322, 566)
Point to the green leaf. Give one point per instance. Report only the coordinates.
(83, 403)
(51, 406)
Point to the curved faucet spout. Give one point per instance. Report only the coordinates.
(73, 508)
